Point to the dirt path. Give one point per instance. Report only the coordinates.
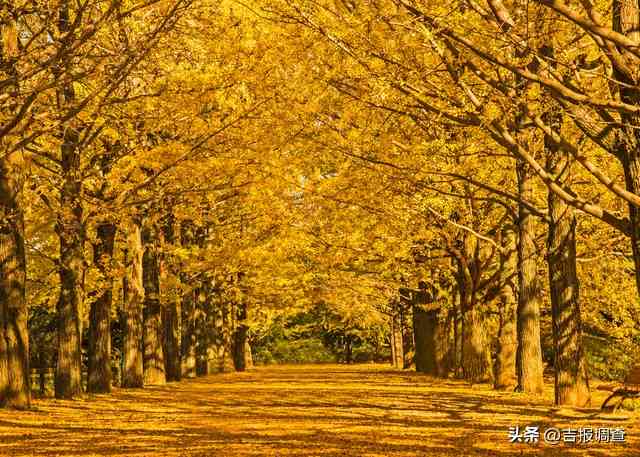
(328, 410)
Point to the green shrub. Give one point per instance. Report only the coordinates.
(307, 350)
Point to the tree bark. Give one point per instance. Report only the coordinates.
(171, 311)
(240, 336)
(133, 374)
(212, 334)
(456, 356)
(397, 344)
(188, 311)
(70, 228)
(475, 355)
(626, 20)
(220, 332)
(505, 368)
(431, 351)
(571, 378)
(204, 333)
(248, 355)
(42, 380)
(153, 356)
(15, 385)
(171, 319)
(99, 376)
(529, 354)
(405, 323)
(476, 351)
(348, 349)
(188, 358)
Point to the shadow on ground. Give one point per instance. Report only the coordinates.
(312, 410)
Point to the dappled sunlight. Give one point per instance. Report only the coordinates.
(307, 410)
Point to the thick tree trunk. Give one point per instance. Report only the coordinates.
(133, 374)
(631, 164)
(15, 383)
(220, 338)
(99, 376)
(171, 312)
(211, 331)
(626, 20)
(505, 368)
(240, 339)
(571, 378)
(70, 230)
(406, 329)
(171, 319)
(529, 354)
(153, 356)
(188, 358)
(431, 351)
(476, 350)
(188, 311)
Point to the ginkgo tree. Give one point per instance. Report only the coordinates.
(176, 175)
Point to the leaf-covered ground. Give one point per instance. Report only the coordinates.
(306, 410)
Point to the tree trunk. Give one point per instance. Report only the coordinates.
(431, 351)
(15, 382)
(444, 346)
(171, 319)
(529, 354)
(70, 229)
(188, 311)
(348, 349)
(240, 339)
(505, 369)
(204, 333)
(171, 311)
(220, 342)
(229, 325)
(188, 359)
(153, 356)
(212, 353)
(211, 330)
(397, 344)
(407, 336)
(456, 356)
(71, 269)
(248, 356)
(626, 20)
(476, 351)
(42, 380)
(99, 376)
(133, 375)
(571, 379)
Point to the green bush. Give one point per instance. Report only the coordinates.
(607, 359)
(316, 336)
(307, 350)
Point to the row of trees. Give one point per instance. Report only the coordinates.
(103, 212)
(548, 92)
(170, 163)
